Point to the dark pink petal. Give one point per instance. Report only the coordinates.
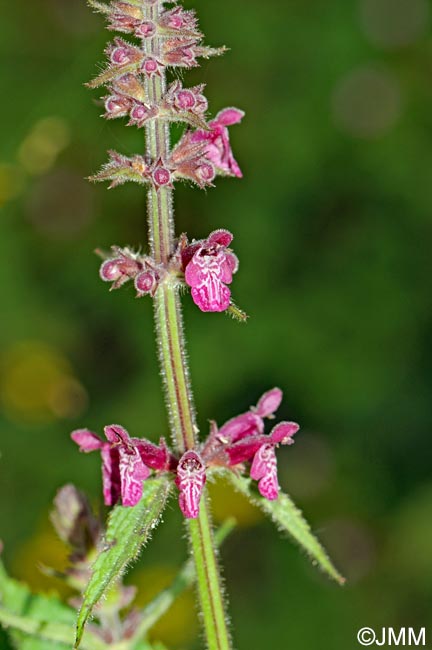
(110, 475)
(156, 457)
(200, 136)
(117, 435)
(132, 474)
(283, 432)
(245, 449)
(269, 402)
(242, 426)
(264, 470)
(229, 116)
(221, 237)
(191, 478)
(87, 440)
(230, 266)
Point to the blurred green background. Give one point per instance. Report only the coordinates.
(333, 228)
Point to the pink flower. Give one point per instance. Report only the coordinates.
(242, 439)
(190, 480)
(252, 422)
(218, 148)
(126, 462)
(261, 450)
(209, 266)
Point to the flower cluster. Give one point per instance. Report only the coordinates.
(206, 266)
(199, 156)
(127, 462)
(204, 150)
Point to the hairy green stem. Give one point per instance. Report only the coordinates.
(174, 367)
(184, 579)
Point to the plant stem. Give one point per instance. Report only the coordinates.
(173, 361)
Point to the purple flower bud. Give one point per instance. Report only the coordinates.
(206, 172)
(161, 176)
(185, 100)
(120, 55)
(110, 270)
(180, 20)
(191, 478)
(146, 29)
(117, 106)
(150, 67)
(146, 282)
(139, 112)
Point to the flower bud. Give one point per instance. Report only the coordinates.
(117, 106)
(139, 113)
(206, 172)
(150, 67)
(120, 56)
(185, 100)
(161, 176)
(147, 29)
(110, 270)
(146, 282)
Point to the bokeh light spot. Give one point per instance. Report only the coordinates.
(37, 384)
(366, 103)
(11, 182)
(39, 150)
(226, 502)
(352, 547)
(42, 549)
(306, 467)
(178, 626)
(60, 204)
(394, 23)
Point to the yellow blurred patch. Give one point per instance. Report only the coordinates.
(226, 502)
(44, 548)
(11, 182)
(39, 150)
(179, 625)
(37, 384)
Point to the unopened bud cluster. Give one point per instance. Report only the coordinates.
(204, 150)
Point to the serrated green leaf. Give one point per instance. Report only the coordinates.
(29, 618)
(33, 634)
(127, 531)
(288, 518)
(17, 598)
